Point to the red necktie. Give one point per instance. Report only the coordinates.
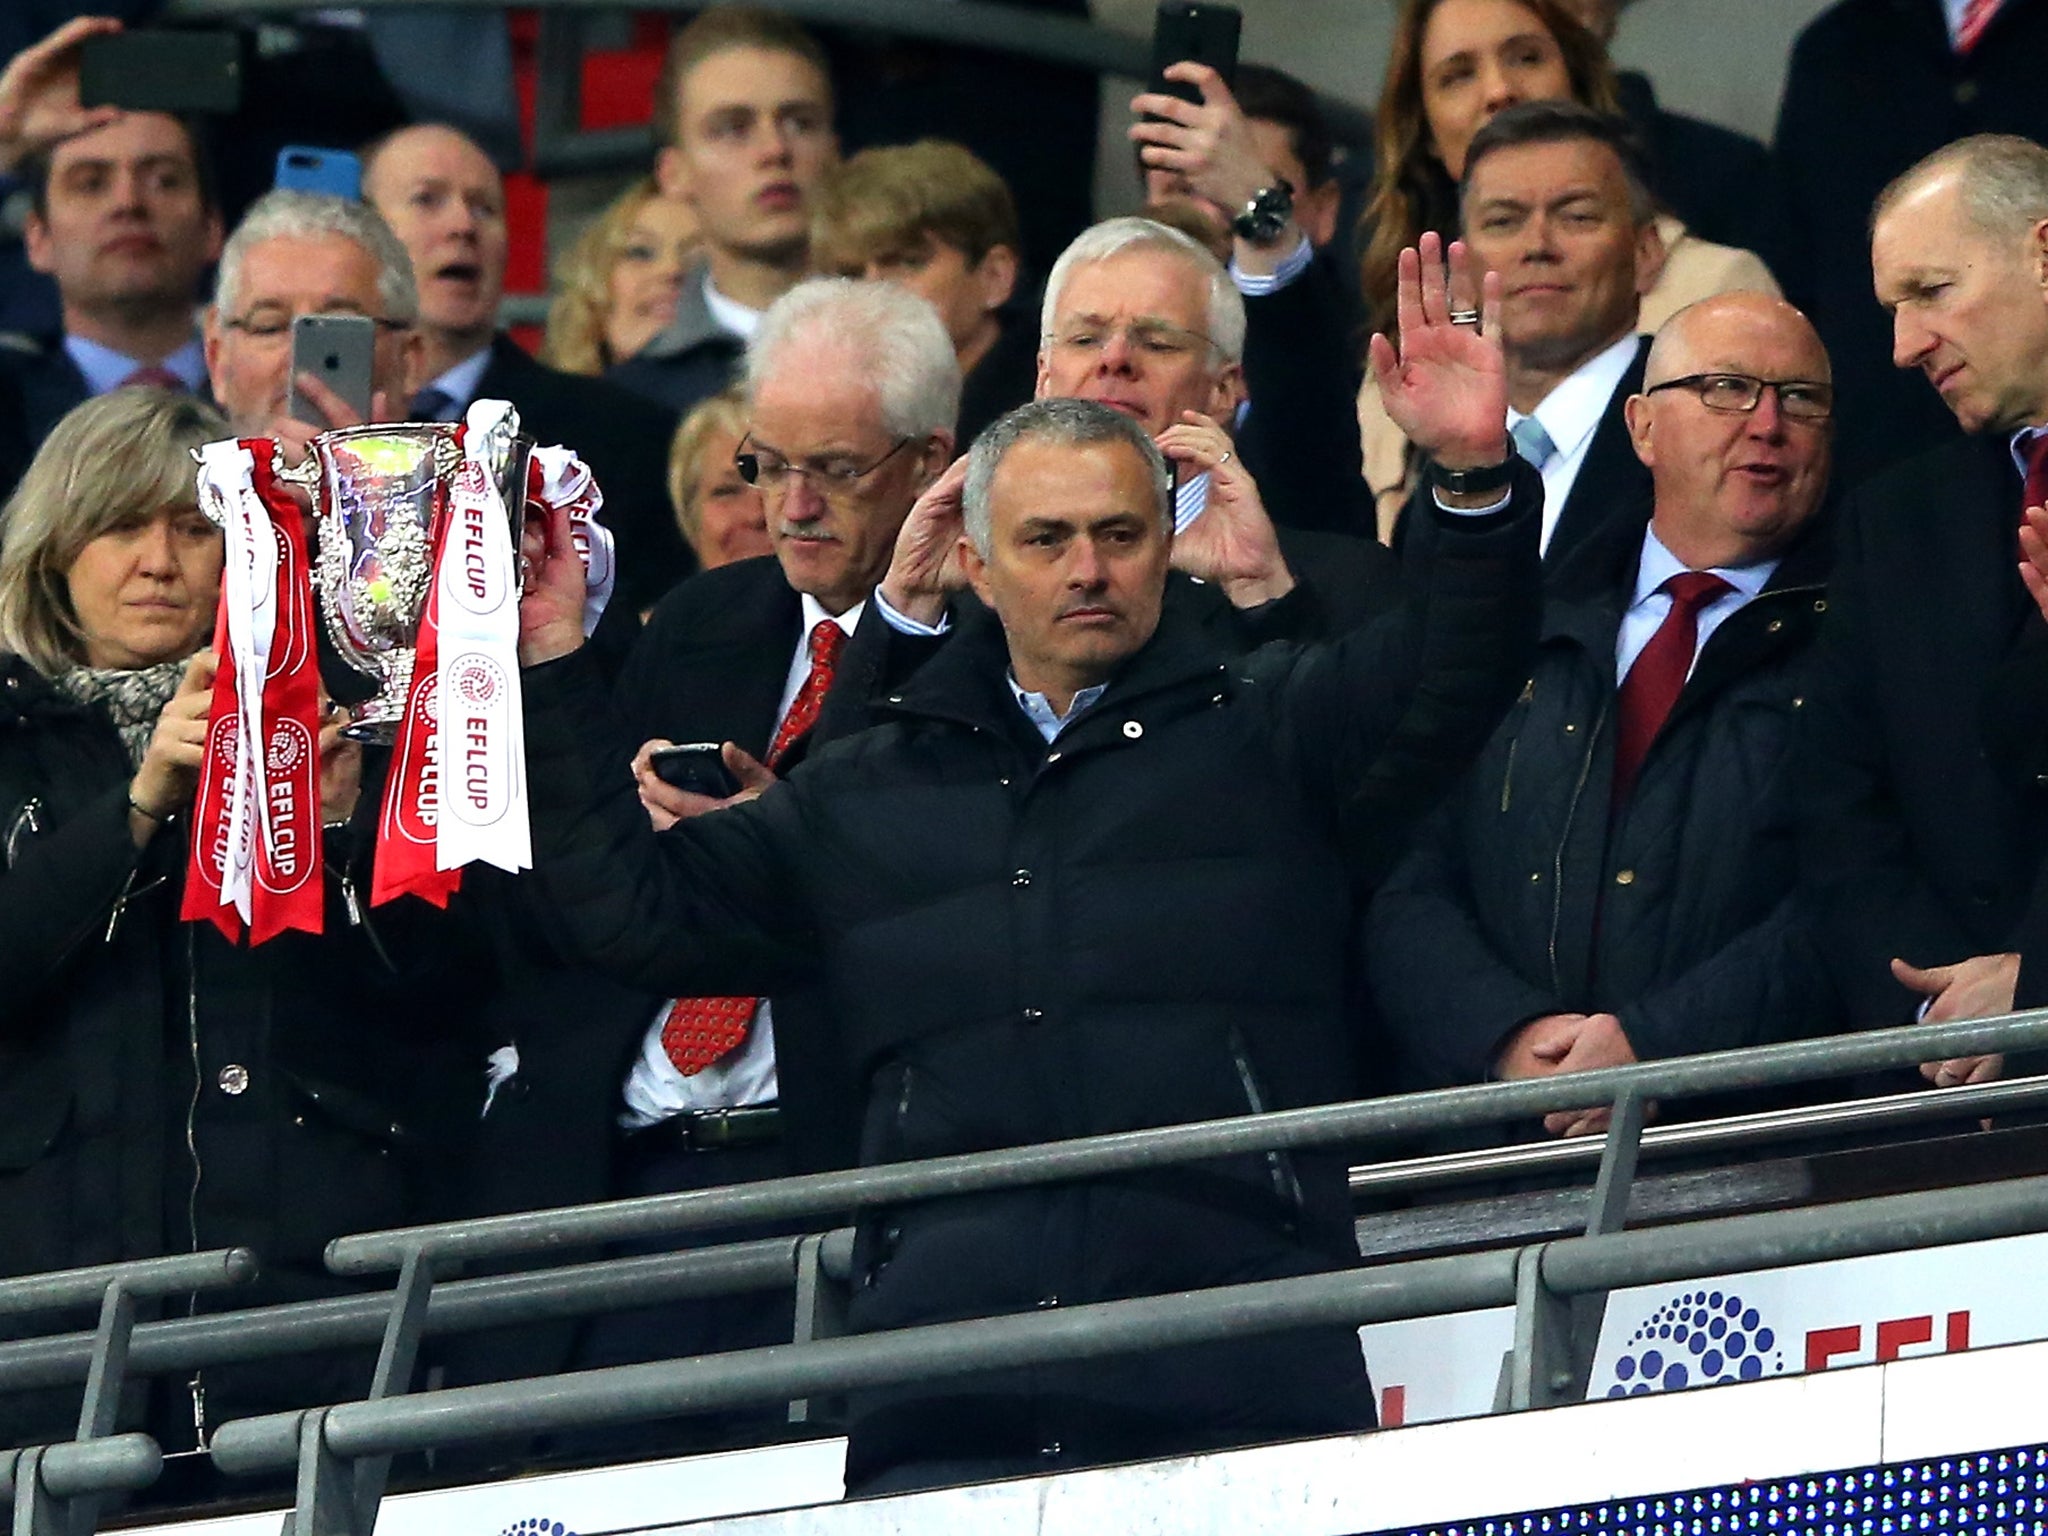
(1655, 681)
(1976, 17)
(2036, 493)
(154, 377)
(699, 1030)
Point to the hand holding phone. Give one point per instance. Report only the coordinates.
(1198, 32)
(39, 105)
(340, 352)
(696, 766)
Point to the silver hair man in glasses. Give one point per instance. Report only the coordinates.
(303, 253)
(1643, 776)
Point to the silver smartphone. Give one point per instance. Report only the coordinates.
(338, 350)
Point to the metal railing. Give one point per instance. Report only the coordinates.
(1558, 1287)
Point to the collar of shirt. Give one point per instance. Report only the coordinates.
(1648, 607)
(2023, 445)
(730, 313)
(459, 383)
(104, 368)
(1574, 406)
(1189, 498)
(1039, 711)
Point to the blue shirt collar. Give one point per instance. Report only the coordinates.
(459, 383)
(2023, 444)
(1039, 711)
(1658, 565)
(103, 368)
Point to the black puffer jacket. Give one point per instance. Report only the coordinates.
(161, 1090)
(1699, 943)
(1143, 923)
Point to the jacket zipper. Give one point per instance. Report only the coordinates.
(25, 820)
(1507, 778)
(1285, 1185)
(197, 1385)
(1564, 836)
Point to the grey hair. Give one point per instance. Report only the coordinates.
(2002, 177)
(1113, 237)
(292, 215)
(123, 454)
(894, 338)
(1071, 423)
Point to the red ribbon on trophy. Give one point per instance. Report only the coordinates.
(256, 861)
(407, 824)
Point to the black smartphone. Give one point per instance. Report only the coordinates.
(698, 766)
(162, 71)
(1197, 31)
(339, 351)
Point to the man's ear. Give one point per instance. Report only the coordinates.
(975, 569)
(1636, 411)
(35, 239)
(1316, 212)
(1226, 394)
(935, 458)
(995, 276)
(216, 236)
(2037, 242)
(672, 174)
(1039, 389)
(1651, 254)
(209, 336)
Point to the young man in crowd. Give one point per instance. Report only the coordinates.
(744, 115)
(934, 218)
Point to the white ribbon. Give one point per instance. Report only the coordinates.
(482, 729)
(566, 481)
(249, 576)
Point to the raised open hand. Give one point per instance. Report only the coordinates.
(1446, 387)
(39, 105)
(926, 565)
(1232, 543)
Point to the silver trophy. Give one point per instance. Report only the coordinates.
(379, 493)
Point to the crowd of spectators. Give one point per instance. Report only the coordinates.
(1478, 605)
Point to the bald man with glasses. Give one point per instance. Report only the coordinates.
(1616, 881)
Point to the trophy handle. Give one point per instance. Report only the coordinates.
(306, 476)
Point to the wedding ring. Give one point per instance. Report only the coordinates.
(1226, 457)
(1465, 317)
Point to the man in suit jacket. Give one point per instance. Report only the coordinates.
(1921, 843)
(1873, 85)
(854, 388)
(124, 219)
(445, 199)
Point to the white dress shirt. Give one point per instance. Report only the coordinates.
(1649, 607)
(103, 368)
(1953, 12)
(1571, 414)
(730, 313)
(655, 1090)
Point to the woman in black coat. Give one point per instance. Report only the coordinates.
(162, 1090)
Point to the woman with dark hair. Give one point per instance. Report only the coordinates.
(161, 1089)
(1454, 66)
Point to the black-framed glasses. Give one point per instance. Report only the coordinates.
(771, 472)
(1740, 393)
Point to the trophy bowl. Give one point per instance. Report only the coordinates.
(380, 494)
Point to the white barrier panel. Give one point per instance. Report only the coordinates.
(1738, 1327)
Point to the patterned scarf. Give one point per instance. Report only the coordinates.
(131, 697)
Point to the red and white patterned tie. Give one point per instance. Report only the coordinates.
(699, 1030)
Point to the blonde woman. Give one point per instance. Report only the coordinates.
(720, 514)
(619, 281)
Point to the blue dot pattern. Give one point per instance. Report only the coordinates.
(537, 1525)
(1700, 1339)
(1986, 1493)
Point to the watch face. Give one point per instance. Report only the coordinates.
(1266, 215)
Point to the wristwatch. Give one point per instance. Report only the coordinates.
(1266, 214)
(1473, 482)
